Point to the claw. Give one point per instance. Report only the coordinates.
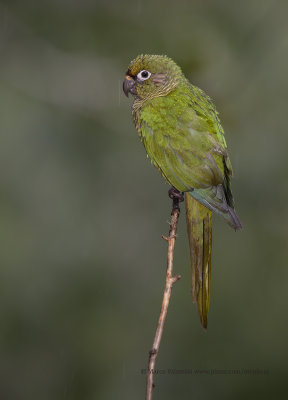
(175, 194)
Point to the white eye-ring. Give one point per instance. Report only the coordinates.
(143, 75)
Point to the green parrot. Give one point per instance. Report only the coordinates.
(182, 134)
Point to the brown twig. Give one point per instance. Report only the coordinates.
(170, 280)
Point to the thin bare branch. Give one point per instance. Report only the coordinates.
(170, 280)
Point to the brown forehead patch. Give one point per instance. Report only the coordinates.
(136, 65)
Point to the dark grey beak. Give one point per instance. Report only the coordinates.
(129, 85)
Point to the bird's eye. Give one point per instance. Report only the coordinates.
(143, 75)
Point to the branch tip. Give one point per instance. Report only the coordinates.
(176, 278)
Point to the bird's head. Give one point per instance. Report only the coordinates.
(151, 76)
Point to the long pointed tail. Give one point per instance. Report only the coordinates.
(199, 227)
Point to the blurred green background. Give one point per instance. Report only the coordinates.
(83, 211)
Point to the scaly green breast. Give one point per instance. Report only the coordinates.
(180, 136)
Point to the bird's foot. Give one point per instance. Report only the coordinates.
(176, 196)
(174, 193)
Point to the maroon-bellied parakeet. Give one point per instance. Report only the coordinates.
(182, 134)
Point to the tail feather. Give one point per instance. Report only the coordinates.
(199, 227)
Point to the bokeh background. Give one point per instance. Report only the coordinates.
(82, 210)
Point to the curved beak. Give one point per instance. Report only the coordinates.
(129, 85)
